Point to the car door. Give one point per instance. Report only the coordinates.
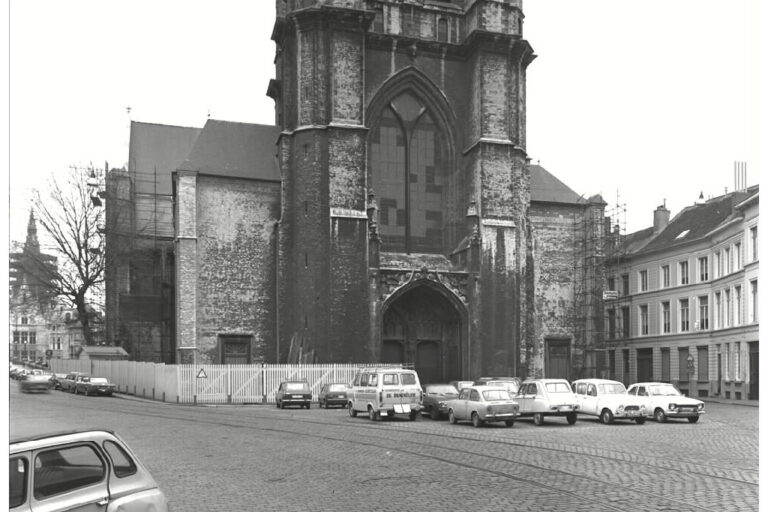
(71, 477)
(460, 408)
(590, 400)
(523, 398)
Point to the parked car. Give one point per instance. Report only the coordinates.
(83, 470)
(608, 400)
(332, 394)
(294, 392)
(57, 378)
(385, 393)
(19, 373)
(94, 386)
(540, 398)
(35, 380)
(481, 404)
(435, 398)
(461, 384)
(68, 382)
(664, 400)
(511, 384)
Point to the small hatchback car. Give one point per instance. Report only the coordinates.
(547, 397)
(608, 400)
(482, 404)
(333, 394)
(83, 470)
(664, 400)
(294, 392)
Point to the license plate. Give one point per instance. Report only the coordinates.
(297, 396)
(383, 413)
(402, 408)
(565, 407)
(632, 413)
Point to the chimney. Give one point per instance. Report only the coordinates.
(660, 218)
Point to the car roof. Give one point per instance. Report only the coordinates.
(75, 434)
(652, 384)
(598, 381)
(544, 380)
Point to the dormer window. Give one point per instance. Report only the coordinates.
(682, 234)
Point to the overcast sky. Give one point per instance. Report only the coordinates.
(642, 102)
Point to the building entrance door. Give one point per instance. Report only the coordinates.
(754, 369)
(423, 328)
(558, 362)
(645, 365)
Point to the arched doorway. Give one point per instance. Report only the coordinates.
(423, 327)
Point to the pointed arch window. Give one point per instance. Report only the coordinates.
(409, 177)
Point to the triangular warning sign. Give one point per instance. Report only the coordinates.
(201, 374)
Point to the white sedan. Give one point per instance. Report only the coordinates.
(664, 400)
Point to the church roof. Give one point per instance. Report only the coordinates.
(155, 152)
(239, 150)
(546, 188)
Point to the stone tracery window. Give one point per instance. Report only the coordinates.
(409, 177)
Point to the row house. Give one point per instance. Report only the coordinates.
(686, 299)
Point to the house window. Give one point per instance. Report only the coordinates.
(24, 320)
(727, 362)
(612, 324)
(33, 337)
(24, 337)
(703, 313)
(683, 272)
(727, 320)
(665, 276)
(684, 316)
(643, 280)
(625, 284)
(665, 318)
(737, 317)
(235, 349)
(702, 358)
(612, 283)
(442, 30)
(644, 319)
(703, 269)
(737, 360)
(16, 336)
(683, 363)
(753, 316)
(625, 321)
(727, 260)
(737, 256)
(753, 242)
(665, 365)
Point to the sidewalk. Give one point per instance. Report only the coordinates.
(718, 400)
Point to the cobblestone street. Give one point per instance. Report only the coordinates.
(263, 458)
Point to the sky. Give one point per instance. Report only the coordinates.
(646, 103)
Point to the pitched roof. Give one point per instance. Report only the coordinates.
(545, 187)
(235, 149)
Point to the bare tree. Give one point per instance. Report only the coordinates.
(73, 224)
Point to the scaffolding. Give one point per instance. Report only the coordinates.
(616, 317)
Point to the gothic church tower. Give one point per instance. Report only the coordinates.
(404, 233)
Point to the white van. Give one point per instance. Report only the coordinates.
(385, 392)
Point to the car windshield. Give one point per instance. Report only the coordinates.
(296, 386)
(496, 394)
(99, 380)
(558, 387)
(337, 387)
(614, 388)
(668, 390)
(444, 389)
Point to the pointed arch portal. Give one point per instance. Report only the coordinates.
(422, 326)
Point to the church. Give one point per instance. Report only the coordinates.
(391, 215)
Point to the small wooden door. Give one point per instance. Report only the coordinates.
(558, 361)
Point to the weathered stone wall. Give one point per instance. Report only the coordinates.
(236, 263)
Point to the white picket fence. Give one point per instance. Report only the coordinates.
(208, 384)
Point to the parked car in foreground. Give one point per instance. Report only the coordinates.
(481, 404)
(35, 380)
(82, 470)
(333, 394)
(57, 378)
(608, 400)
(68, 382)
(435, 398)
(540, 398)
(293, 392)
(664, 400)
(94, 386)
(385, 393)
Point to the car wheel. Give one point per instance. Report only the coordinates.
(373, 415)
(351, 410)
(659, 416)
(434, 413)
(538, 419)
(606, 417)
(476, 421)
(451, 417)
(640, 421)
(571, 418)
(693, 419)
(509, 423)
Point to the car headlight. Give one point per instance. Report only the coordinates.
(642, 408)
(701, 406)
(620, 409)
(672, 407)
(441, 404)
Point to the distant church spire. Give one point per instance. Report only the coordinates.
(32, 244)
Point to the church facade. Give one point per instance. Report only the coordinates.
(392, 214)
